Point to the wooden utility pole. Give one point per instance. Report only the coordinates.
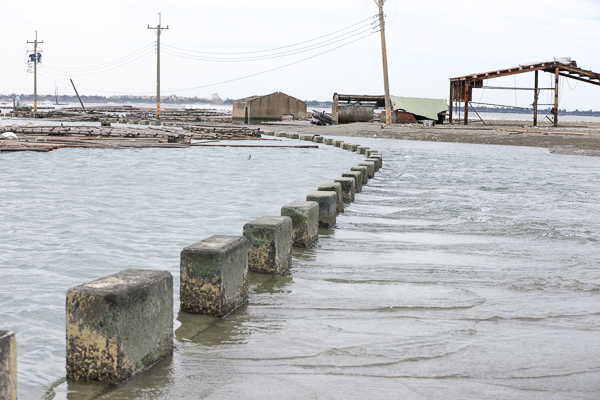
(388, 110)
(158, 30)
(35, 62)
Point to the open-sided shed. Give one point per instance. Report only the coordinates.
(461, 88)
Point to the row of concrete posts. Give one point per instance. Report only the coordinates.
(120, 325)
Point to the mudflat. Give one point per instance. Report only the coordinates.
(568, 138)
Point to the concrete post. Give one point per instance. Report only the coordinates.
(348, 188)
(214, 275)
(8, 365)
(308, 138)
(357, 176)
(370, 167)
(270, 240)
(365, 173)
(318, 139)
(363, 150)
(293, 136)
(281, 134)
(119, 325)
(346, 146)
(353, 147)
(379, 157)
(376, 161)
(327, 207)
(328, 141)
(305, 222)
(339, 143)
(337, 188)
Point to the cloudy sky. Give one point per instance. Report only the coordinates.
(106, 48)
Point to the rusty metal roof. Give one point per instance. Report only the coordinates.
(429, 108)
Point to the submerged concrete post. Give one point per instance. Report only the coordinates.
(377, 156)
(370, 167)
(357, 176)
(119, 325)
(270, 240)
(8, 365)
(339, 143)
(353, 147)
(348, 188)
(305, 222)
(317, 139)
(293, 135)
(214, 275)
(337, 188)
(327, 207)
(328, 141)
(363, 150)
(375, 161)
(281, 134)
(365, 173)
(346, 146)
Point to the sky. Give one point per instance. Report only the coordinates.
(107, 48)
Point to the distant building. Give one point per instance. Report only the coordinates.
(271, 107)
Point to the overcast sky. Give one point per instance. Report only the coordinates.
(428, 42)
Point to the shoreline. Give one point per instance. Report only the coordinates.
(568, 139)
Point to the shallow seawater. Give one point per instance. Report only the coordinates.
(460, 271)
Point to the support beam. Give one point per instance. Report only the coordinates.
(334, 109)
(556, 76)
(450, 102)
(467, 99)
(535, 99)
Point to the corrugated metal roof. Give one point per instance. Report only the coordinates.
(425, 107)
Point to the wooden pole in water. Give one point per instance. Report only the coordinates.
(158, 29)
(556, 97)
(81, 102)
(388, 111)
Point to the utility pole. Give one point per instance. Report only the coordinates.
(158, 30)
(388, 111)
(35, 62)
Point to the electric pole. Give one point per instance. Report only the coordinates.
(158, 30)
(35, 62)
(388, 111)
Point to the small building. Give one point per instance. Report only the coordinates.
(272, 107)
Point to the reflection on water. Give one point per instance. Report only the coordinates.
(461, 271)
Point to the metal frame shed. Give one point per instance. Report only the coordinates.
(461, 88)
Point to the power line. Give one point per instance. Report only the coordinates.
(66, 73)
(266, 57)
(272, 69)
(101, 66)
(276, 48)
(235, 79)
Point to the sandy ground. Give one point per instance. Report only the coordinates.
(572, 138)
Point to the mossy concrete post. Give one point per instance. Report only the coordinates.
(293, 136)
(365, 173)
(328, 141)
(379, 157)
(353, 147)
(281, 134)
(337, 188)
(327, 207)
(348, 188)
(8, 365)
(371, 151)
(357, 176)
(318, 139)
(376, 161)
(307, 138)
(305, 222)
(346, 146)
(363, 150)
(119, 325)
(214, 275)
(339, 143)
(370, 167)
(270, 240)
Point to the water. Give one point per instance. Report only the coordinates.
(461, 271)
